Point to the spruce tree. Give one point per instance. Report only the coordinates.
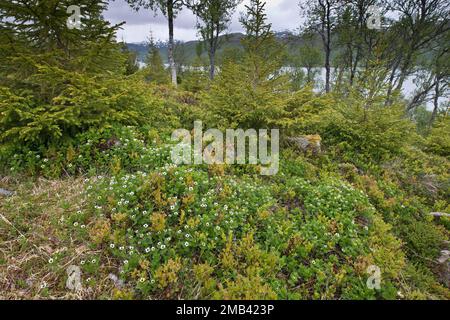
(37, 31)
(56, 81)
(155, 70)
(253, 93)
(264, 55)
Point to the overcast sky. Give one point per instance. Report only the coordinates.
(283, 14)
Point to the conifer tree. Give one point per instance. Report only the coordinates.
(131, 63)
(253, 93)
(38, 30)
(155, 70)
(264, 54)
(56, 81)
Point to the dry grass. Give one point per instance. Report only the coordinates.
(34, 229)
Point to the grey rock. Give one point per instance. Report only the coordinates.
(310, 143)
(117, 282)
(444, 267)
(7, 193)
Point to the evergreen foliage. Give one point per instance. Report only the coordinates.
(75, 107)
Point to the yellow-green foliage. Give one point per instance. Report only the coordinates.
(386, 250)
(75, 103)
(234, 100)
(438, 141)
(167, 274)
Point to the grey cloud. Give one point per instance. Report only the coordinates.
(283, 14)
(119, 11)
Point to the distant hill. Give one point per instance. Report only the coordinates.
(229, 41)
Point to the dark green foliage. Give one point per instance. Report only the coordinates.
(73, 103)
(155, 71)
(438, 141)
(423, 240)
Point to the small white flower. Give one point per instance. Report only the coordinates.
(50, 260)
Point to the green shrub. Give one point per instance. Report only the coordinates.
(289, 238)
(96, 151)
(235, 101)
(76, 103)
(423, 239)
(438, 141)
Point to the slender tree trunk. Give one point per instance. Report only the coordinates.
(391, 85)
(173, 68)
(328, 49)
(212, 62)
(435, 102)
(327, 69)
(404, 71)
(354, 67)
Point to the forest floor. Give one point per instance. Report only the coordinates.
(37, 248)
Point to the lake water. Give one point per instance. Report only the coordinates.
(409, 87)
